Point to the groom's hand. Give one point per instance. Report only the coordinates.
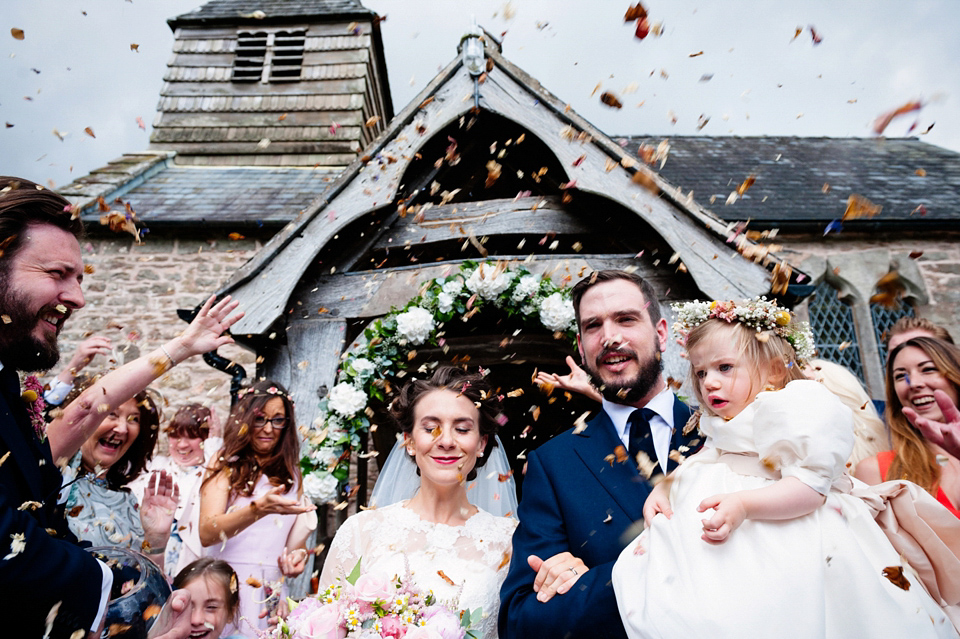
(556, 575)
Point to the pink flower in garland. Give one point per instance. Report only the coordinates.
(33, 397)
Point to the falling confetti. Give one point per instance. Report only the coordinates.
(882, 122)
(17, 33)
(611, 100)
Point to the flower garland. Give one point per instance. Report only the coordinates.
(344, 412)
(759, 314)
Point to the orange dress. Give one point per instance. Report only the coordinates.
(886, 458)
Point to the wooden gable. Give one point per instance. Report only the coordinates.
(377, 188)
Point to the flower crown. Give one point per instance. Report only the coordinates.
(759, 313)
(272, 391)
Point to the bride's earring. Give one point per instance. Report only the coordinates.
(480, 454)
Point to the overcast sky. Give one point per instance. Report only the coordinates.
(75, 68)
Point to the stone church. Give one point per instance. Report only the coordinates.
(279, 173)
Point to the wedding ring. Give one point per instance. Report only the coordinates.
(574, 571)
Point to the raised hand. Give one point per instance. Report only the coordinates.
(577, 380)
(86, 351)
(556, 575)
(206, 331)
(730, 512)
(160, 499)
(945, 434)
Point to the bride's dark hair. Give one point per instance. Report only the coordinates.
(473, 386)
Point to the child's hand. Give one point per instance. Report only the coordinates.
(730, 513)
(657, 502)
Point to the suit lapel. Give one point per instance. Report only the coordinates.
(14, 436)
(594, 445)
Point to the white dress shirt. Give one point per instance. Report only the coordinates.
(661, 425)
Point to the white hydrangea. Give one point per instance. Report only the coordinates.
(444, 302)
(320, 487)
(363, 367)
(453, 288)
(415, 325)
(526, 287)
(326, 456)
(556, 312)
(529, 309)
(485, 283)
(346, 399)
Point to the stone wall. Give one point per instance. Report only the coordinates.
(132, 297)
(937, 256)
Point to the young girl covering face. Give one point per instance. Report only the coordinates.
(753, 533)
(214, 598)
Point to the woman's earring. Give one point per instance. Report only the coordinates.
(480, 454)
(411, 453)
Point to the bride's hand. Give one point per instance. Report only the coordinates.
(556, 575)
(292, 563)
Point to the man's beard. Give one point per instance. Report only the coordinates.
(19, 349)
(631, 391)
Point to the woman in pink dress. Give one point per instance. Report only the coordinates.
(252, 512)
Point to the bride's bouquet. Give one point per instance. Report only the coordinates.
(371, 606)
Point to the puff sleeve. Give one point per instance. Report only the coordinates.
(804, 431)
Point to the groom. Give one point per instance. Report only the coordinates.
(582, 493)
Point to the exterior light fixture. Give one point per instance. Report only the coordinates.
(471, 50)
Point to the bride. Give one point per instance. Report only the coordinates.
(451, 547)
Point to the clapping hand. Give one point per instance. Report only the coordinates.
(945, 434)
(160, 499)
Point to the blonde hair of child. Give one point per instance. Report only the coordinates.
(770, 358)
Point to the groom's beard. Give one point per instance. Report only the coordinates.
(631, 391)
(19, 348)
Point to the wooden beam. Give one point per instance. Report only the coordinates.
(369, 294)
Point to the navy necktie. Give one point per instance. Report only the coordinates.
(641, 441)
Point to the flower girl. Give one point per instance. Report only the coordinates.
(757, 534)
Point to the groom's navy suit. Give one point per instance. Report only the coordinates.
(575, 500)
(51, 567)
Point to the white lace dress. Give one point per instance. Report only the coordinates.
(475, 556)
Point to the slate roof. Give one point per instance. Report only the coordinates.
(791, 173)
(232, 10)
(163, 194)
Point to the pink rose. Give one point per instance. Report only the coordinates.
(391, 626)
(444, 622)
(422, 633)
(371, 586)
(322, 623)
